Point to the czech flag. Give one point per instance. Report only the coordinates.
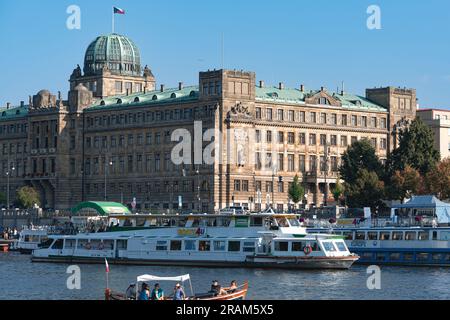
(107, 266)
(119, 11)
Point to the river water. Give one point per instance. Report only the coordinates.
(22, 279)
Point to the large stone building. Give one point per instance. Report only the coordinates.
(116, 127)
(439, 122)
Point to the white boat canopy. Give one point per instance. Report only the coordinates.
(147, 277)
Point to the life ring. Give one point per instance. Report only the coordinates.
(101, 246)
(87, 246)
(307, 250)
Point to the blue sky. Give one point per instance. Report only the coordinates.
(314, 42)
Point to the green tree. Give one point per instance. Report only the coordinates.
(438, 180)
(28, 197)
(296, 190)
(416, 149)
(359, 156)
(366, 191)
(338, 190)
(404, 184)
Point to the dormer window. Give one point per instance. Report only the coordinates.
(136, 99)
(155, 97)
(119, 101)
(274, 95)
(102, 103)
(323, 101)
(173, 95)
(192, 93)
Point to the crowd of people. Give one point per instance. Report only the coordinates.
(10, 234)
(157, 293)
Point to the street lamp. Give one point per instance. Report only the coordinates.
(198, 187)
(105, 169)
(8, 174)
(326, 152)
(274, 172)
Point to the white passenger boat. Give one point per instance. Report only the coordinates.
(30, 239)
(241, 240)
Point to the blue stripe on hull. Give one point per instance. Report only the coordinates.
(405, 257)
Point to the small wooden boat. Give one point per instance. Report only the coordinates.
(236, 293)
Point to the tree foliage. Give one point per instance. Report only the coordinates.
(404, 184)
(338, 190)
(416, 149)
(28, 197)
(359, 156)
(366, 191)
(296, 190)
(438, 180)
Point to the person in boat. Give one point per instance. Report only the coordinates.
(145, 292)
(178, 293)
(216, 288)
(157, 293)
(130, 293)
(232, 288)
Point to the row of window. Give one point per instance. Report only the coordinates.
(321, 117)
(14, 128)
(139, 139)
(268, 163)
(13, 148)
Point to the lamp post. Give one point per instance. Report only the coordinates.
(198, 188)
(106, 169)
(8, 174)
(274, 172)
(326, 152)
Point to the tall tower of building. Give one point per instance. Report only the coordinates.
(112, 66)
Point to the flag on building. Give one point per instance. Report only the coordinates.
(107, 266)
(119, 11)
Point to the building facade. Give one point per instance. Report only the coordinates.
(112, 137)
(439, 122)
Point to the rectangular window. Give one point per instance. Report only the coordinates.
(291, 115)
(291, 138)
(234, 246)
(312, 139)
(280, 137)
(280, 115)
(302, 163)
(258, 136)
(282, 246)
(204, 246)
(312, 117)
(219, 245)
(302, 138)
(190, 245)
(354, 121)
(175, 245)
(302, 117)
(291, 167)
(269, 136)
(269, 114)
(118, 86)
(344, 119)
(258, 113)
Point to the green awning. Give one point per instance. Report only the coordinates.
(103, 208)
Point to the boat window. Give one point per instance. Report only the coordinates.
(360, 236)
(249, 247)
(328, 246)
(122, 244)
(282, 222)
(256, 222)
(424, 235)
(182, 222)
(348, 235)
(46, 244)
(108, 244)
(241, 222)
(234, 246)
(223, 222)
(294, 222)
(58, 244)
(341, 246)
(190, 245)
(281, 246)
(408, 256)
(204, 246)
(435, 235)
(381, 256)
(410, 236)
(315, 246)
(397, 236)
(447, 258)
(70, 243)
(161, 245)
(372, 235)
(140, 222)
(219, 245)
(422, 256)
(175, 245)
(395, 256)
(367, 256)
(385, 235)
(297, 246)
(95, 244)
(195, 223)
(436, 257)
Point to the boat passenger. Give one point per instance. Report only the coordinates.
(131, 292)
(232, 288)
(178, 293)
(157, 293)
(145, 292)
(215, 288)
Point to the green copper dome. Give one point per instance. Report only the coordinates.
(116, 52)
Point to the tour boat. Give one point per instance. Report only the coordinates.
(30, 239)
(406, 246)
(265, 240)
(236, 293)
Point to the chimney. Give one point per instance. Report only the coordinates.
(8, 104)
(162, 88)
(322, 89)
(128, 91)
(302, 88)
(145, 90)
(180, 85)
(22, 103)
(281, 86)
(261, 84)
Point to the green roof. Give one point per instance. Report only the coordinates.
(144, 99)
(13, 112)
(103, 208)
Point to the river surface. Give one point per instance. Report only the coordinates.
(22, 279)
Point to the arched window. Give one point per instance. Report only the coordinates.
(274, 95)
(192, 93)
(119, 101)
(155, 97)
(102, 103)
(173, 95)
(136, 99)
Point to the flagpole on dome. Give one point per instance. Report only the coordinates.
(112, 19)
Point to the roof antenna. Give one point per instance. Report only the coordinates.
(343, 87)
